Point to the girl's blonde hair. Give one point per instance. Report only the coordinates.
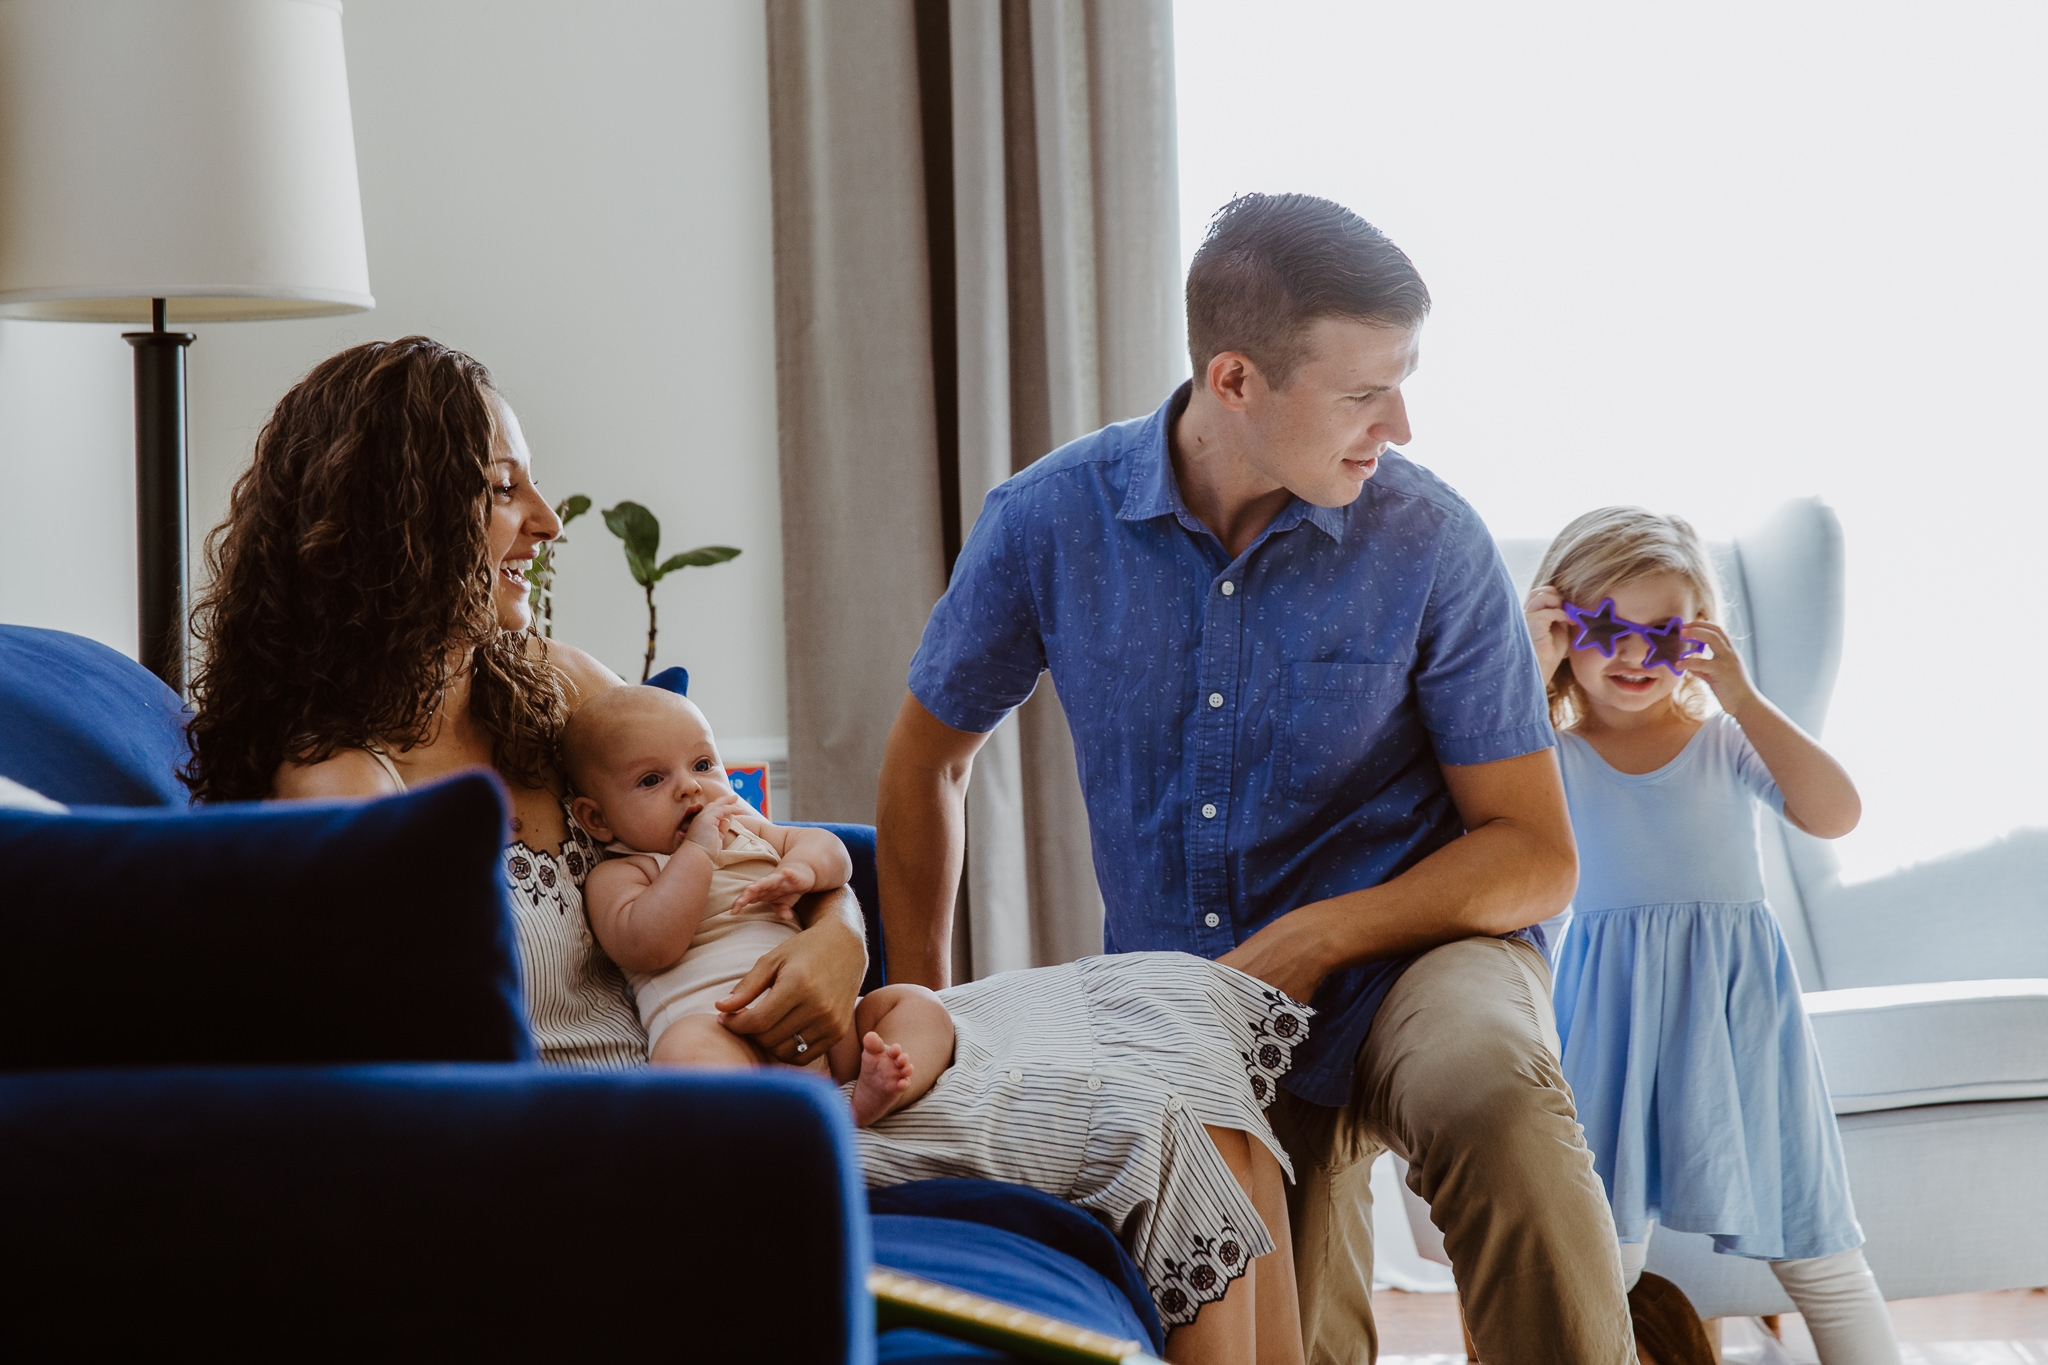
(1606, 548)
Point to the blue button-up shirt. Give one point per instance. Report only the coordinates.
(1255, 733)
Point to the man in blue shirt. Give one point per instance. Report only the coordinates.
(1313, 745)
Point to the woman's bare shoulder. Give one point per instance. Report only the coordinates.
(584, 675)
(348, 772)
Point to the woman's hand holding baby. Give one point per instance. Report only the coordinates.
(806, 985)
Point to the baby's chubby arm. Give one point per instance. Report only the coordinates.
(812, 860)
(646, 919)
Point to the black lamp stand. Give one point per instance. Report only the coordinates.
(160, 496)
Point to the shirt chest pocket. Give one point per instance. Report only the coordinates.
(1329, 718)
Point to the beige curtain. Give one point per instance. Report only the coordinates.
(977, 260)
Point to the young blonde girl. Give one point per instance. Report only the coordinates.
(1685, 1042)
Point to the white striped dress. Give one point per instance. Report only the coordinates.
(577, 1003)
(1092, 1082)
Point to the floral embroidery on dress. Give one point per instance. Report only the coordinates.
(580, 1012)
(532, 872)
(1275, 1038)
(1204, 1277)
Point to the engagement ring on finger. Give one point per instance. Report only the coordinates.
(801, 1046)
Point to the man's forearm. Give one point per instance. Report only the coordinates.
(1494, 880)
(920, 840)
(1509, 871)
(920, 835)
(1516, 864)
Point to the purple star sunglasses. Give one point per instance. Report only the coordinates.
(1603, 630)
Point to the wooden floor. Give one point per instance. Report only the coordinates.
(1964, 1329)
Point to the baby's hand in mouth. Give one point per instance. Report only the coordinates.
(703, 832)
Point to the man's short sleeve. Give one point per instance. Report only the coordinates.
(1476, 682)
(982, 651)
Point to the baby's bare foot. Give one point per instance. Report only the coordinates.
(884, 1075)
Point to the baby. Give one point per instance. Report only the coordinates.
(1096, 1081)
(705, 886)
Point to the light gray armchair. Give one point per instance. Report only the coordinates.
(1928, 988)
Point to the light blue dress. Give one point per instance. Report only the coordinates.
(1685, 1042)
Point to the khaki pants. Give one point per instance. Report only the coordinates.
(1459, 1076)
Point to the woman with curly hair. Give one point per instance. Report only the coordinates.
(368, 629)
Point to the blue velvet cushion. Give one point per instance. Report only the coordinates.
(1110, 1296)
(431, 1213)
(1004, 1265)
(85, 725)
(266, 933)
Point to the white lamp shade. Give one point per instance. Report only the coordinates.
(197, 151)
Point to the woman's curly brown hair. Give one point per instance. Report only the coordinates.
(353, 563)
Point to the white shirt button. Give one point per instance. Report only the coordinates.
(1215, 699)
(1173, 1103)
(1095, 1082)
(1228, 587)
(1016, 1078)
(1211, 919)
(1209, 812)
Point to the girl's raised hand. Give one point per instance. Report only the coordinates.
(1819, 797)
(1550, 630)
(1721, 666)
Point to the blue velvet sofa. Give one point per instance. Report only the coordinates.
(266, 1087)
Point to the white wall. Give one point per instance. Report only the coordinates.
(67, 480)
(578, 195)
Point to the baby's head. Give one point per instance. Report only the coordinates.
(1654, 568)
(643, 762)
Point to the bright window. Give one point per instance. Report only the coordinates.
(1705, 259)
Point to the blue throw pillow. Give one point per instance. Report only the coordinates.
(241, 935)
(85, 725)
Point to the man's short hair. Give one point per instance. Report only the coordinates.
(1273, 263)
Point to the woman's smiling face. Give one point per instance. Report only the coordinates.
(520, 518)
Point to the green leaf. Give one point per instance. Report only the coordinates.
(636, 526)
(698, 558)
(571, 507)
